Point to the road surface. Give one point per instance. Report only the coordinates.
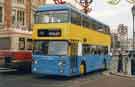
(91, 80)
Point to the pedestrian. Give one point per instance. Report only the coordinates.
(120, 63)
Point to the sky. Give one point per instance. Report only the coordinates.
(112, 15)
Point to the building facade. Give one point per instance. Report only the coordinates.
(115, 42)
(16, 19)
(123, 36)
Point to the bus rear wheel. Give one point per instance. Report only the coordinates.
(82, 69)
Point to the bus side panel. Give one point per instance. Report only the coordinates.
(108, 60)
(50, 65)
(93, 62)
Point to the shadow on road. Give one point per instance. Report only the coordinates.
(64, 78)
(50, 77)
(15, 73)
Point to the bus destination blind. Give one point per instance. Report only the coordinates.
(49, 33)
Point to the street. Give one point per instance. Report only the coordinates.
(90, 80)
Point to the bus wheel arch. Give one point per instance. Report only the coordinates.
(82, 68)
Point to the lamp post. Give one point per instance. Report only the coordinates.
(133, 13)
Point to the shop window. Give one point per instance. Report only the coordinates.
(21, 43)
(29, 44)
(1, 14)
(5, 43)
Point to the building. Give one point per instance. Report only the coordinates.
(16, 19)
(123, 36)
(130, 43)
(115, 41)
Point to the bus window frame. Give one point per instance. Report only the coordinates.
(52, 40)
(88, 49)
(77, 15)
(75, 46)
(38, 13)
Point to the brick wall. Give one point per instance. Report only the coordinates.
(28, 13)
(7, 14)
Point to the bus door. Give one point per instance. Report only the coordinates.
(73, 54)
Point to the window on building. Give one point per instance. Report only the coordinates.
(14, 16)
(1, 14)
(33, 16)
(20, 1)
(21, 43)
(13, 1)
(20, 17)
(29, 44)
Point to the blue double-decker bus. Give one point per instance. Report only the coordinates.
(67, 42)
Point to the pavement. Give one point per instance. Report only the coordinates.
(122, 75)
(96, 79)
(108, 73)
(6, 70)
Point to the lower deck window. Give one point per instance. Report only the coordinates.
(51, 47)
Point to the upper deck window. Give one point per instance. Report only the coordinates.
(52, 17)
(75, 18)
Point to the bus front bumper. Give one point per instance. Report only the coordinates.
(51, 66)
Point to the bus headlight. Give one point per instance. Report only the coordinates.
(34, 62)
(35, 69)
(61, 66)
(61, 71)
(61, 63)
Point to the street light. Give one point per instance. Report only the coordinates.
(133, 13)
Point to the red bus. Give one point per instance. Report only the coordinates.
(15, 51)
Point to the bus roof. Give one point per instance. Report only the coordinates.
(67, 6)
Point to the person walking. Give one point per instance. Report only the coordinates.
(120, 63)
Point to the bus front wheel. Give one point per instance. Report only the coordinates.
(82, 69)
